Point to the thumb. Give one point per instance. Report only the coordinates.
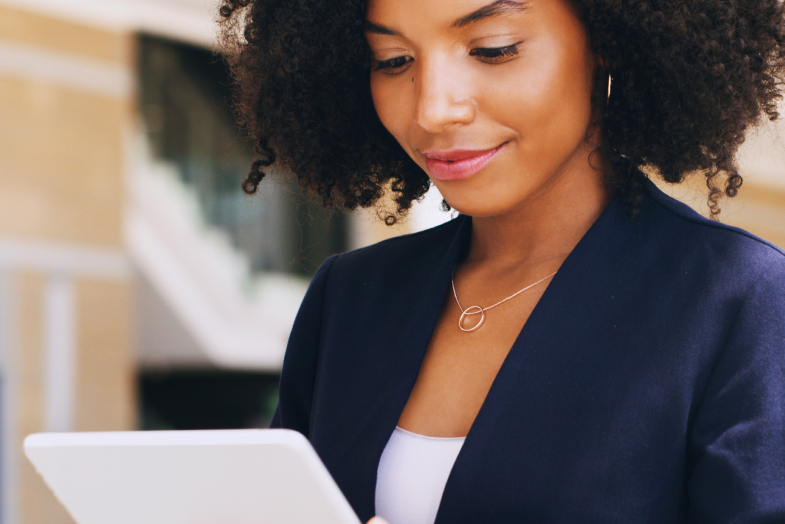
(377, 520)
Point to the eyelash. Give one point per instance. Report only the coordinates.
(393, 65)
(490, 55)
(495, 55)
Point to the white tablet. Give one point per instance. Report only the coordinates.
(189, 477)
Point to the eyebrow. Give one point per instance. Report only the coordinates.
(370, 27)
(496, 8)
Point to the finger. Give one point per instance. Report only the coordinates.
(377, 520)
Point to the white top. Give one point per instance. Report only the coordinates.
(411, 476)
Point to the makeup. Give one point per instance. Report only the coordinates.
(458, 164)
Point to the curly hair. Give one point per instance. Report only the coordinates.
(689, 78)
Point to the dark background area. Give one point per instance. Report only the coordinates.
(207, 399)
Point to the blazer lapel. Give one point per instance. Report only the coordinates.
(378, 364)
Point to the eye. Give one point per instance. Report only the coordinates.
(393, 65)
(495, 55)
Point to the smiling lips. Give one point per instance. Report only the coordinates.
(458, 164)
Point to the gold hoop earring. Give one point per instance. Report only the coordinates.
(610, 83)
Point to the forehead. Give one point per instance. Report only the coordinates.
(446, 14)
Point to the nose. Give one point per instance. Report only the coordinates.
(443, 97)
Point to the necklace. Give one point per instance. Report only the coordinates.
(477, 310)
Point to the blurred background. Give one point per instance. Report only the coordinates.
(139, 288)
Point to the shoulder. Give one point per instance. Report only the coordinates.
(719, 247)
(405, 253)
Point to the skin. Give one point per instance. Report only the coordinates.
(529, 206)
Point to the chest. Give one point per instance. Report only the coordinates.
(459, 367)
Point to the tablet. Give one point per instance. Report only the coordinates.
(189, 477)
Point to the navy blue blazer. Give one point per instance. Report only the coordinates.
(648, 385)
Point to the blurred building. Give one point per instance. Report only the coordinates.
(138, 287)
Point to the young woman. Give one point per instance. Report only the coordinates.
(576, 346)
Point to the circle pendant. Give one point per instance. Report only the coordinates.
(472, 310)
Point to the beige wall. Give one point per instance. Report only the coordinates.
(61, 164)
(61, 179)
(760, 210)
(759, 207)
(58, 35)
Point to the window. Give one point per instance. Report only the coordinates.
(185, 104)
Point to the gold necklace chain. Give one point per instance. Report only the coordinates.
(477, 310)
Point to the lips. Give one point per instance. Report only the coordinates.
(458, 164)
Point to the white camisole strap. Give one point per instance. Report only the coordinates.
(412, 473)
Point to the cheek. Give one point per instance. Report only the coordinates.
(547, 99)
(548, 105)
(390, 100)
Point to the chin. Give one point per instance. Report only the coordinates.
(478, 198)
(486, 206)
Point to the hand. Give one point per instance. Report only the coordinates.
(377, 520)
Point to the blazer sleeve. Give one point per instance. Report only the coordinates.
(295, 393)
(737, 444)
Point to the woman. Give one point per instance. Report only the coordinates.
(576, 346)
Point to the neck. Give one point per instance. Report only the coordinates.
(546, 227)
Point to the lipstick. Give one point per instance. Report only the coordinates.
(458, 164)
